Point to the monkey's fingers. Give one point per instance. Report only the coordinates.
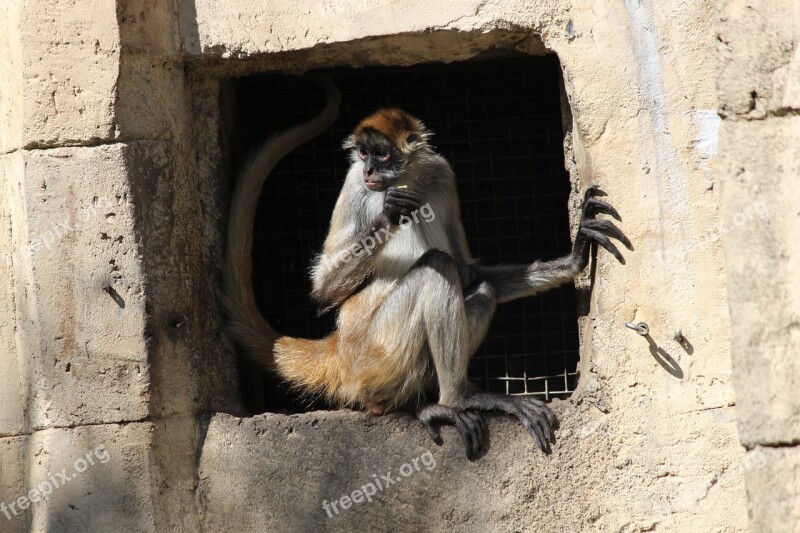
(433, 431)
(539, 432)
(544, 418)
(540, 425)
(481, 433)
(608, 227)
(591, 206)
(591, 190)
(402, 203)
(542, 408)
(603, 241)
(470, 425)
(407, 194)
(429, 415)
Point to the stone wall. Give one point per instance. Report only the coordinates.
(114, 191)
(759, 102)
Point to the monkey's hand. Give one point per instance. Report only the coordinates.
(399, 203)
(594, 230)
(469, 423)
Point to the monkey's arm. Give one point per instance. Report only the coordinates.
(516, 281)
(343, 267)
(347, 258)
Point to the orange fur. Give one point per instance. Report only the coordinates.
(376, 376)
(394, 124)
(344, 368)
(311, 365)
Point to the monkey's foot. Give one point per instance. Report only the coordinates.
(535, 416)
(376, 409)
(469, 423)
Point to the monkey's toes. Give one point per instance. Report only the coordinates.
(469, 424)
(539, 421)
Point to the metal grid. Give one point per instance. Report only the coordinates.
(499, 124)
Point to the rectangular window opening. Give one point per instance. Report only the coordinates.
(499, 124)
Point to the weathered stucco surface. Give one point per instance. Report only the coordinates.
(110, 152)
(759, 101)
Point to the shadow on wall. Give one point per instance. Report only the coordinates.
(187, 24)
(664, 359)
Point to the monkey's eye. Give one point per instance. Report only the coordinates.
(382, 154)
(362, 152)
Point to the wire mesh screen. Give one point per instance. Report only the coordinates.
(498, 122)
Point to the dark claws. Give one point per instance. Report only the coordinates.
(592, 229)
(603, 241)
(593, 205)
(535, 431)
(536, 416)
(608, 227)
(591, 190)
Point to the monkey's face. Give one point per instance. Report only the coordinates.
(383, 162)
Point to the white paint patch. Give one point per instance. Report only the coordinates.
(706, 123)
(704, 143)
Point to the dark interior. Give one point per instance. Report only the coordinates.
(499, 123)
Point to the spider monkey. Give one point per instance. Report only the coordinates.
(413, 305)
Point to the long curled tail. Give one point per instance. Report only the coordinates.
(254, 336)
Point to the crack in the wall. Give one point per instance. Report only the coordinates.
(42, 429)
(779, 112)
(792, 443)
(454, 22)
(90, 143)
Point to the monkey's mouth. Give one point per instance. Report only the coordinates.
(373, 184)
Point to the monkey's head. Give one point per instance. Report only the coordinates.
(384, 141)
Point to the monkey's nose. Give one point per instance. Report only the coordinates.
(370, 171)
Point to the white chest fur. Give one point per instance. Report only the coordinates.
(422, 231)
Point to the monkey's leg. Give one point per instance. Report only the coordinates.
(537, 418)
(426, 316)
(480, 302)
(427, 309)
(534, 415)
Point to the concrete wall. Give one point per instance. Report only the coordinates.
(759, 102)
(112, 210)
(104, 264)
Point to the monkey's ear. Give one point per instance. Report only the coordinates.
(420, 136)
(349, 142)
